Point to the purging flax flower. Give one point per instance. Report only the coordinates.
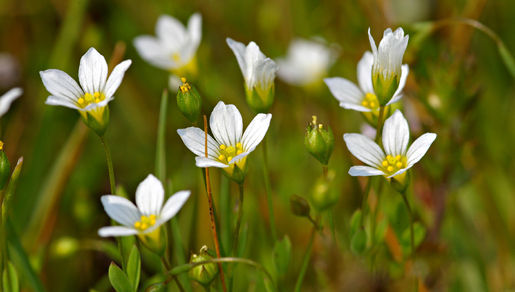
(175, 46)
(258, 72)
(8, 98)
(388, 73)
(306, 63)
(396, 158)
(230, 146)
(96, 90)
(144, 218)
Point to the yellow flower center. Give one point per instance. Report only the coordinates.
(185, 87)
(392, 164)
(1, 145)
(227, 153)
(370, 101)
(145, 222)
(89, 98)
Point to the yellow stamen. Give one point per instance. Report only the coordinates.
(390, 168)
(221, 157)
(229, 159)
(1, 145)
(183, 79)
(145, 222)
(222, 147)
(239, 152)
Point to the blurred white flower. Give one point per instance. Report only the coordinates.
(387, 69)
(175, 46)
(306, 63)
(8, 98)
(147, 215)
(362, 98)
(230, 145)
(396, 157)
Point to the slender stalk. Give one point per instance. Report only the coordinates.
(364, 200)
(412, 237)
(109, 165)
(268, 189)
(167, 266)
(238, 222)
(225, 214)
(305, 260)
(211, 212)
(380, 123)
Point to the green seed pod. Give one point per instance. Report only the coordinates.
(206, 273)
(5, 167)
(189, 101)
(299, 206)
(319, 141)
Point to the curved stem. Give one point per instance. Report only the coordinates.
(305, 261)
(268, 189)
(238, 222)
(109, 165)
(412, 239)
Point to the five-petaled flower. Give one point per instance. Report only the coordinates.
(175, 46)
(96, 90)
(230, 146)
(396, 157)
(8, 98)
(388, 73)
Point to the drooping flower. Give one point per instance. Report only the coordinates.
(387, 69)
(230, 146)
(362, 98)
(8, 98)
(306, 63)
(96, 90)
(174, 46)
(144, 218)
(396, 157)
(258, 72)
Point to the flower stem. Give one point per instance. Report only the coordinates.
(412, 237)
(211, 212)
(364, 201)
(238, 222)
(380, 123)
(109, 165)
(268, 191)
(305, 260)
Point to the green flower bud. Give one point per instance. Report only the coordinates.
(206, 273)
(323, 195)
(5, 167)
(189, 101)
(260, 99)
(319, 141)
(299, 206)
(65, 246)
(96, 119)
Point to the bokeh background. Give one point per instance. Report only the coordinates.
(459, 87)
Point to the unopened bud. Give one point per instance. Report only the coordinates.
(299, 206)
(323, 195)
(205, 273)
(5, 167)
(319, 141)
(189, 101)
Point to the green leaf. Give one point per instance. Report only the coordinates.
(355, 221)
(381, 229)
(10, 279)
(125, 244)
(282, 255)
(119, 279)
(358, 242)
(419, 233)
(134, 268)
(508, 59)
(11, 187)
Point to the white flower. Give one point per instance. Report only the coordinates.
(258, 70)
(8, 98)
(175, 46)
(230, 145)
(396, 157)
(307, 62)
(148, 213)
(362, 98)
(96, 89)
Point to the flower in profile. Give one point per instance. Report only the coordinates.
(361, 98)
(144, 218)
(258, 72)
(306, 63)
(230, 146)
(387, 69)
(8, 98)
(96, 90)
(396, 158)
(174, 46)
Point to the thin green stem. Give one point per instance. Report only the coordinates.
(268, 189)
(412, 237)
(238, 222)
(364, 200)
(380, 123)
(109, 165)
(305, 260)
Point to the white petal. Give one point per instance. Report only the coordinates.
(173, 205)
(419, 148)
(120, 209)
(362, 170)
(395, 134)
(355, 107)
(149, 196)
(253, 58)
(345, 91)
(61, 85)
(8, 98)
(372, 43)
(402, 83)
(255, 132)
(201, 161)
(92, 71)
(194, 138)
(152, 51)
(365, 72)
(226, 124)
(116, 78)
(364, 149)
(238, 157)
(171, 31)
(116, 231)
(195, 30)
(239, 50)
(61, 101)
(400, 171)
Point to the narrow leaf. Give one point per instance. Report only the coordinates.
(119, 279)
(134, 268)
(10, 279)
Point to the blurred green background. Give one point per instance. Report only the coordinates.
(458, 87)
